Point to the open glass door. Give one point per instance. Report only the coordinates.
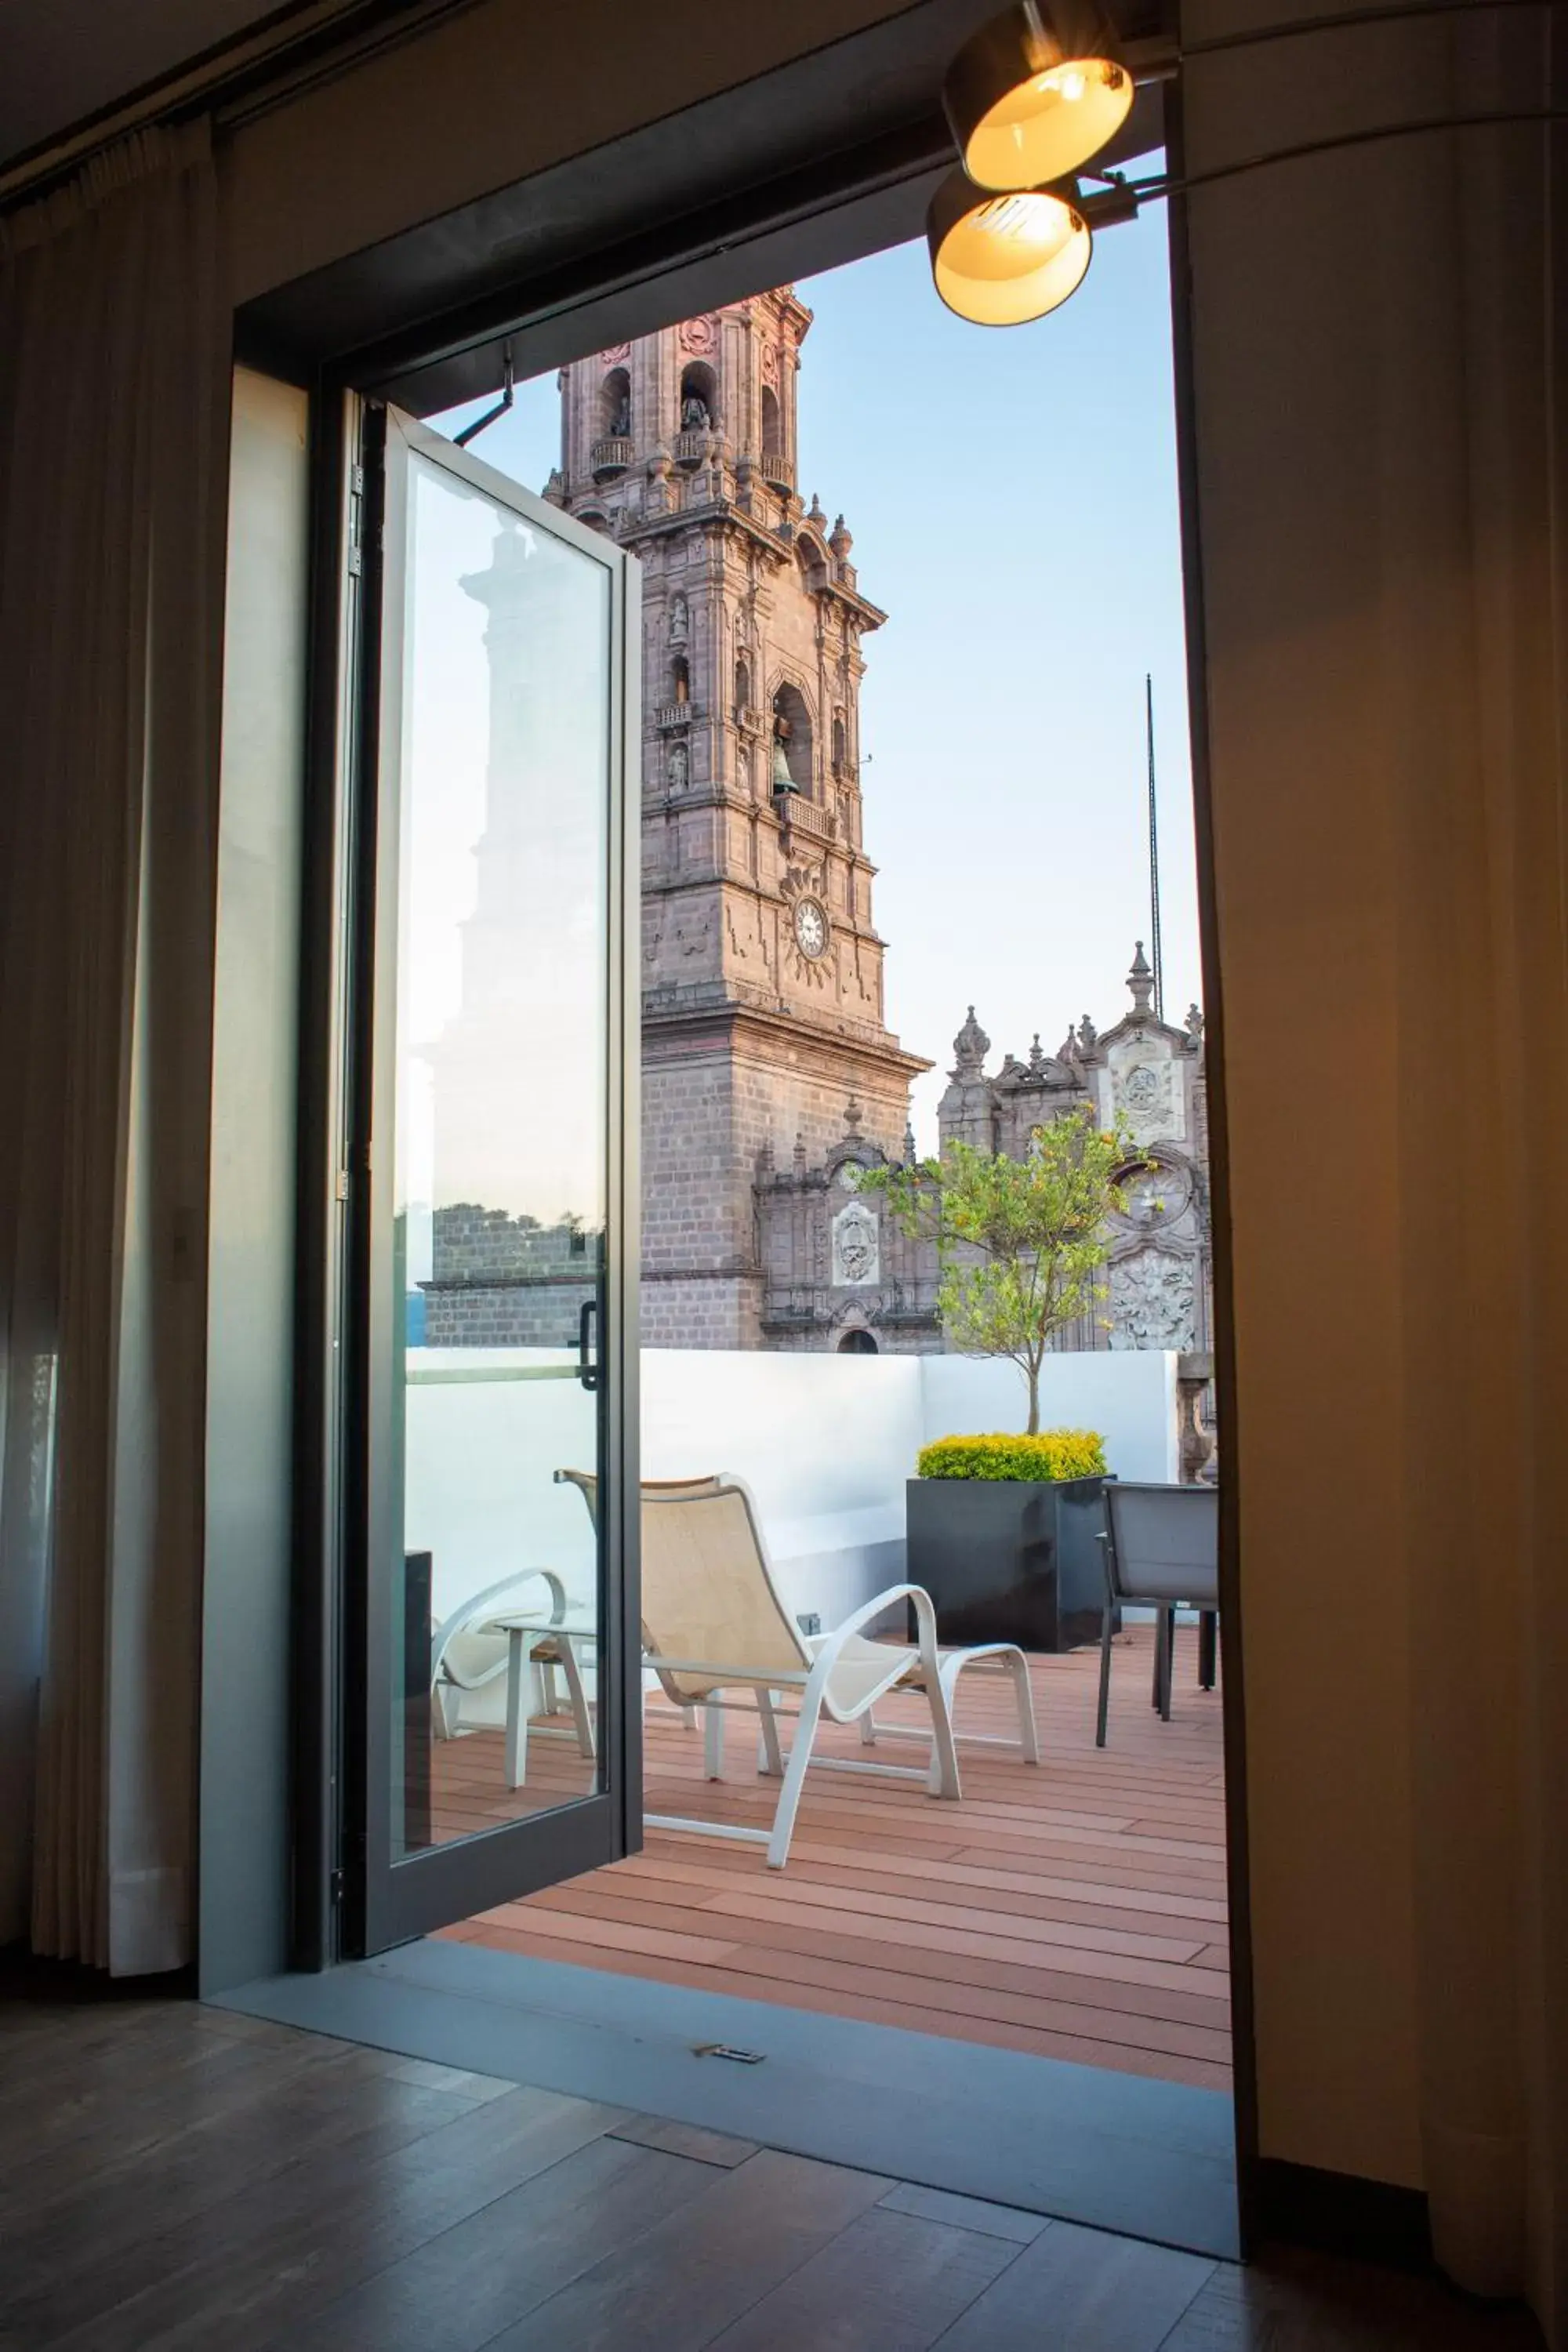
(492, 1729)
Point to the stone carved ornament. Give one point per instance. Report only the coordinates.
(857, 1247)
(1147, 1093)
(1152, 1299)
(697, 334)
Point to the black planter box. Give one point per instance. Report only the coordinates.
(1009, 1560)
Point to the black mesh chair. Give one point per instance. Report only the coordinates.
(1162, 1552)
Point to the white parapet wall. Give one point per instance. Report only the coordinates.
(1128, 1395)
(826, 1443)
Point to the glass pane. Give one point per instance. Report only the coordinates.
(500, 1163)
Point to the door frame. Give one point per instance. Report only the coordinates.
(381, 1901)
(842, 199)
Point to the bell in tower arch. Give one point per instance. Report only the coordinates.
(783, 781)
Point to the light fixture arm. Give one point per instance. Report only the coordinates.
(471, 432)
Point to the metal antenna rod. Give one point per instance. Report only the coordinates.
(1156, 950)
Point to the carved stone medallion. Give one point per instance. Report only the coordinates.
(857, 1247)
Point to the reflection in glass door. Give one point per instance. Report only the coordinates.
(499, 1319)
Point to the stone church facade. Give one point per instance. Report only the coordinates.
(762, 978)
(762, 1008)
(840, 1275)
(769, 1072)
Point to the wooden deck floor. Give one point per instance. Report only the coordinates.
(1076, 1911)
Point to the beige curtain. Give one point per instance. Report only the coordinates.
(113, 392)
(1380, 379)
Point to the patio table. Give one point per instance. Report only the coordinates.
(529, 1632)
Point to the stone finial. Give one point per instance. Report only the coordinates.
(800, 1155)
(1068, 1050)
(1193, 1024)
(853, 1115)
(1087, 1034)
(1036, 1056)
(910, 1144)
(842, 541)
(1140, 981)
(765, 1157)
(815, 514)
(969, 1048)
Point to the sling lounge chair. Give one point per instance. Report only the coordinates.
(470, 1649)
(715, 1622)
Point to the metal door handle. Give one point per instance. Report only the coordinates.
(588, 1370)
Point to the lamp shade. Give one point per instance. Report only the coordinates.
(1002, 260)
(1036, 93)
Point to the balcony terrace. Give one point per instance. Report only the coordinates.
(1073, 1910)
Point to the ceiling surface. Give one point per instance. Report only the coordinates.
(63, 60)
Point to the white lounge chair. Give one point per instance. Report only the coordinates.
(471, 1650)
(713, 1621)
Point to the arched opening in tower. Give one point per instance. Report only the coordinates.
(773, 424)
(698, 397)
(615, 418)
(791, 741)
(857, 1342)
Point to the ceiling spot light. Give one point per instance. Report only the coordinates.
(1036, 93)
(1002, 260)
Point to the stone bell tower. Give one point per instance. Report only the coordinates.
(762, 1008)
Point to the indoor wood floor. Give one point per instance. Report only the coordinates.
(1074, 1911)
(181, 2180)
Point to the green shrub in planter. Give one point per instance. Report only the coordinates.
(1054, 1453)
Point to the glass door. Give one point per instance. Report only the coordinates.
(493, 1739)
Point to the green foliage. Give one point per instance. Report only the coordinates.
(1020, 1241)
(1053, 1453)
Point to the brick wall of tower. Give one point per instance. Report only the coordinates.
(505, 1282)
(709, 1113)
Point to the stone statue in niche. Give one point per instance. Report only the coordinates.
(679, 767)
(1151, 1300)
(857, 1246)
(678, 619)
(621, 418)
(694, 416)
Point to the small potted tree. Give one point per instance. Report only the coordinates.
(1003, 1529)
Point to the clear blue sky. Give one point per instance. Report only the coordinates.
(1013, 498)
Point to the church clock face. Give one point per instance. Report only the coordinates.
(811, 928)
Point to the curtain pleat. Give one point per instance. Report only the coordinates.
(113, 376)
(1378, 342)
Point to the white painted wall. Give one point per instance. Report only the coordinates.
(825, 1443)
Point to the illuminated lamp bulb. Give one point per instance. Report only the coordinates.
(1000, 261)
(1035, 94)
